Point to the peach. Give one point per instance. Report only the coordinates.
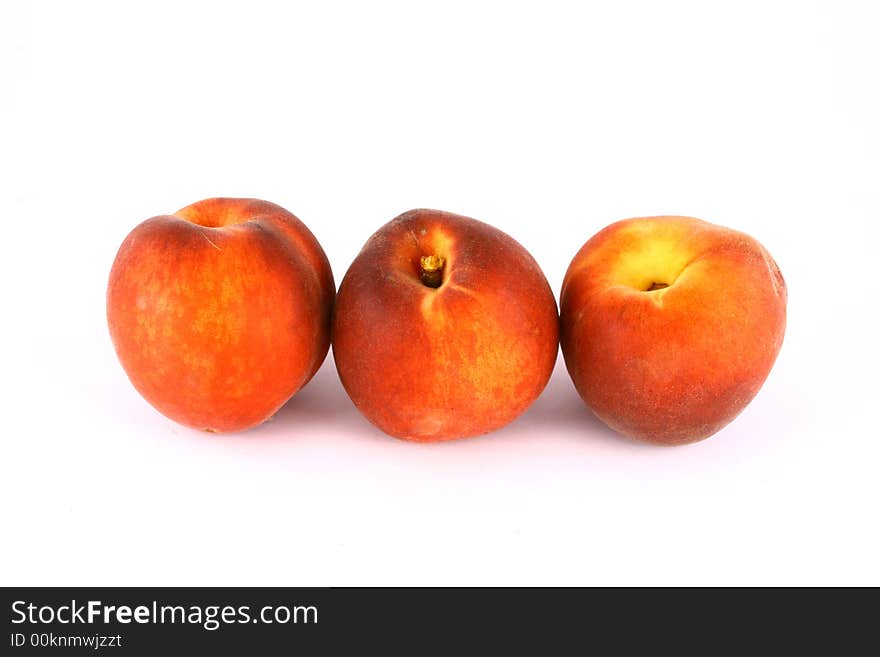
(444, 328)
(670, 325)
(221, 311)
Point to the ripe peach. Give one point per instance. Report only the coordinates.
(220, 312)
(444, 328)
(670, 325)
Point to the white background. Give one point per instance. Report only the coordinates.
(548, 120)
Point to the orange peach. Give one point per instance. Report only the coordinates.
(670, 325)
(220, 312)
(444, 328)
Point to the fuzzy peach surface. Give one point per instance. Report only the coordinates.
(670, 325)
(460, 360)
(220, 312)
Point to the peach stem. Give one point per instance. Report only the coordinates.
(432, 270)
(656, 286)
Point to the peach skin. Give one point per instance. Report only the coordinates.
(444, 328)
(670, 325)
(221, 311)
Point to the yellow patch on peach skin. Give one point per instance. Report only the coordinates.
(435, 242)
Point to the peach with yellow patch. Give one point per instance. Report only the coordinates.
(444, 328)
(220, 312)
(670, 325)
